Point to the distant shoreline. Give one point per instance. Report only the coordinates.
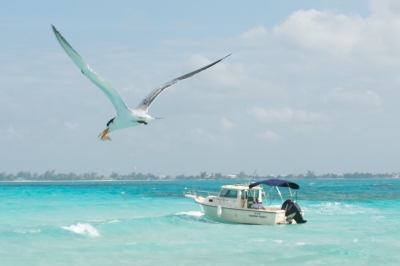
(180, 180)
(83, 181)
(52, 176)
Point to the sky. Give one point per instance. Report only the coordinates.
(310, 86)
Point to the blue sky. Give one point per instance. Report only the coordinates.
(311, 85)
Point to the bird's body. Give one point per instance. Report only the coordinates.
(125, 117)
(130, 118)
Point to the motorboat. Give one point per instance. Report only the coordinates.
(249, 204)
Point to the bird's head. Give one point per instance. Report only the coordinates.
(104, 135)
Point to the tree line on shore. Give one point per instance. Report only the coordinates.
(53, 176)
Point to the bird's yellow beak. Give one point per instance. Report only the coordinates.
(104, 135)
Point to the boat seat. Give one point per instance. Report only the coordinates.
(250, 200)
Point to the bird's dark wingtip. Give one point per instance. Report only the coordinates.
(223, 58)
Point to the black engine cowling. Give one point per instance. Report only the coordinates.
(291, 207)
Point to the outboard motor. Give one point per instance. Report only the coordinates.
(293, 210)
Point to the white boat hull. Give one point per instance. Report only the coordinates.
(244, 216)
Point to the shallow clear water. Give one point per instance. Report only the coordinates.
(351, 222)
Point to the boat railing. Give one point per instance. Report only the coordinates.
(198, 193)
(270, 196)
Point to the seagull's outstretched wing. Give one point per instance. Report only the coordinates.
(100, 82)
(145, 103)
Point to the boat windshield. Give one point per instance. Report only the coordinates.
(253, 194)
(228, 193)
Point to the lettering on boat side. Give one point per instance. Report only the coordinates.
(257, 214)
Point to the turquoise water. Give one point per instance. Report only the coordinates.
(351, 222)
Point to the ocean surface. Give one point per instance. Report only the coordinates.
(350, 222)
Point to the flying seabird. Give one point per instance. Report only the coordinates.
(126, 117)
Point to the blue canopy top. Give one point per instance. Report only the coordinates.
(276, 182)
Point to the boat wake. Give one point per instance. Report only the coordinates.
(193, 217)
(191, 213)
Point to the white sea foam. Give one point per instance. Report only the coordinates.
(191, 213)
(82, 229)
(256, 240)
(378, 217)
(331, 208)
(27, 231)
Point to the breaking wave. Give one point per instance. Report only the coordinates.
(82, 229)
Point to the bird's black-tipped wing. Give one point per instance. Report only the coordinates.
(145, 103)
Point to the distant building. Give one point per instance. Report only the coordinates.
(232, 176)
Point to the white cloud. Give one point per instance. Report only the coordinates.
(376, 37)
(270, 135)
(322, 30)
(271, 115)
(201, 132)
(385, 7)
(353, 98)
(284, 115)
(71, 126)
(255, 34)
(226, 124)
